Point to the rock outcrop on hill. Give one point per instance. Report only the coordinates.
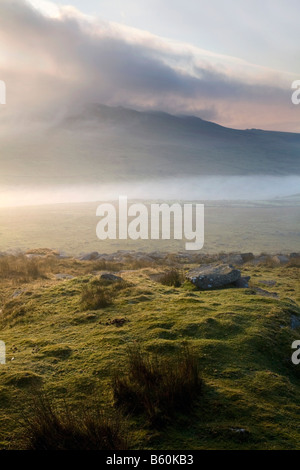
(213, 276)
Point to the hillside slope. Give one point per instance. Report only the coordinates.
(241, 338)
(103, 144)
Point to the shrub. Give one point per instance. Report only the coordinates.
(157, 387)
(50, 428)
(171, 278)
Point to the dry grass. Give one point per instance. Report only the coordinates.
(25, 269)
(172, 278)
(293, 263)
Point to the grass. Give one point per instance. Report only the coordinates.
(94, 297)
(158, 387)
(100, 293)
(23, 269)
(241, 339)
(172, 278)
(49, 427)
(241, 226)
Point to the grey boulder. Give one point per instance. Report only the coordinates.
(213, 276)
(111, 277)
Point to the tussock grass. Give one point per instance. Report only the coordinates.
(24, 269)
(172, 278)
(158, 387)
(50, 428)
(100, 293)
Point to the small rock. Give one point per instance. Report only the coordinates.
(265, 293)
(235, 260)
(260, 260)
(280, 259)
(268, 283)
(111, 277)
(90, 256)
(63, 276)
(246, 257)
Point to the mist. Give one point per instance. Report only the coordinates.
(214, 188)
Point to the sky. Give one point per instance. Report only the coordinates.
(265, 32)
(232, 62)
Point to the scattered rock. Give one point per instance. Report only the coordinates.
(117, 322)
(61, 276)
(260, 260)
(246, 257)
(213, 276)
(235, 260)
(265, 293)
(111, 277)
(90, 256)
(268, 283)
(280, 259)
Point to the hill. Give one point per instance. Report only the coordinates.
(105, 144)
(70, 350)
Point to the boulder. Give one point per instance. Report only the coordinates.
(242, 283)
(90, 256)
(247, 257)
(280, 259)
(213, 276)
(111, 277)
(260, 260)
(234, 259)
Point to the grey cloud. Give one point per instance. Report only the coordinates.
(68, 63)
